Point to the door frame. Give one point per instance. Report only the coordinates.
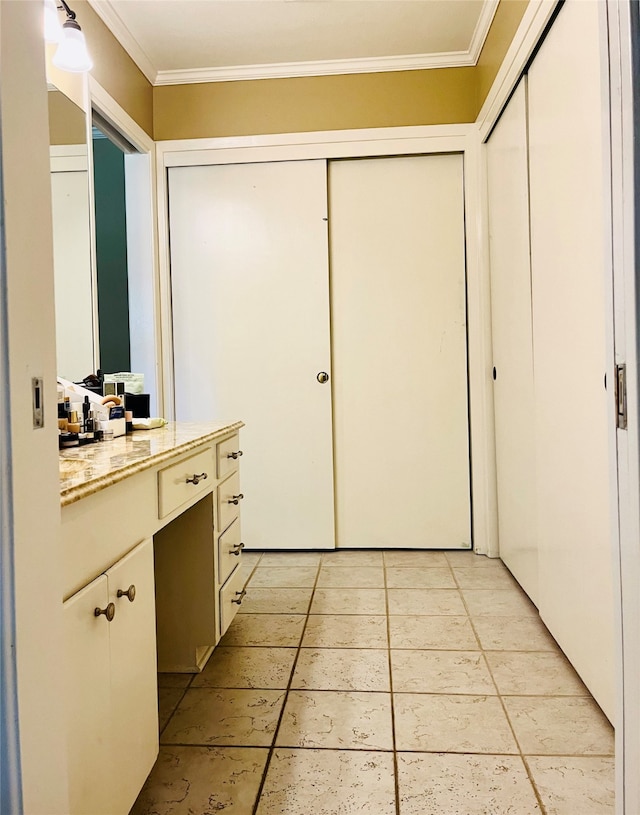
(371, 143)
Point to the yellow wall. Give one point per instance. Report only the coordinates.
(114, 69)
(343, 102)
(303, 104)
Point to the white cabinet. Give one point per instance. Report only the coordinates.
(111, 686)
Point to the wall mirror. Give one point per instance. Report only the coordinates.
(103, 241)
(72, 242)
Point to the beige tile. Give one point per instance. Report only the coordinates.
(252, 558)
(246, 570)
(288, 559)
(336, 719)
(498, 603)
(469, 559)
(358, 577)
(280, 630)
(169, 680)
(555, 726)
(536, 674)
(238, 667)
(328, 782)
(188, 780)
(359, 669)
(349, 601)
(168, 699)
(567, 786)
(345, 631)
(206, 716)
(474, 578)
(425, 601)
(353, 558)
(445, 632)
(275, 601)
(399, 577)
(440, 672)
(297, 577)
(415, 558)
(514, 634)
(451, 724)
(449, 784)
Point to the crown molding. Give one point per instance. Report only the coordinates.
(489, 8)
(409, 62)
(114, 23)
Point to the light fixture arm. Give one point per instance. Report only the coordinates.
(69, 12)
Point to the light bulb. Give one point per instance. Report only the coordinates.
(52, 25)
(72, 55)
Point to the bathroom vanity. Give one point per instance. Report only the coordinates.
(151, 581)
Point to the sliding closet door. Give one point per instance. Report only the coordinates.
(249, 270)
(399, 352)
(570, 340)
(508, 194)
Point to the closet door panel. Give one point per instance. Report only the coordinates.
(570, 341)
(249, 268)
(399, 352)
(508, 194)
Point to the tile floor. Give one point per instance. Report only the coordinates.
(390, 683)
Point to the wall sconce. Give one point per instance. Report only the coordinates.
(71, 54)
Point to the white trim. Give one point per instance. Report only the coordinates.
(116, 115)
(531, 28)
(329, 67)
(114, 23)
(488, 12)
(619, 77)
(353, 144)
(323, 67)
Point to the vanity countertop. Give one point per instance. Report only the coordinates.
(86, 470)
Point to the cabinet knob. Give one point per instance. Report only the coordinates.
(109, 612)
(322, 377)
(196, 479)
(239, 596)
(130, 593)
(235, 455)
(236, 499)
(237, 548)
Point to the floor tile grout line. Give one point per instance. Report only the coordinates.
(396, 774)
(286, 696)
(538, 797)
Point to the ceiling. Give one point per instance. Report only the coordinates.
(180, 41)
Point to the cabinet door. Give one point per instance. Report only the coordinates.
(508, 192)
(250, 290)
(134, 721)
(88, 695)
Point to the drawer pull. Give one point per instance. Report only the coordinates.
(239, 596)
(237, 548)
(196, 479)
(130, 593)
(236, 499)
(235, 455)
(109, 612)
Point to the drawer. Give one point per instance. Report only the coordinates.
(229, 501)
(228, 456)
(231, 595)
(229, 549)
(176, 483)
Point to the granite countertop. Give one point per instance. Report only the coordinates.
(86, 470)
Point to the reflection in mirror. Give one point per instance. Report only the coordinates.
(70, 200)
